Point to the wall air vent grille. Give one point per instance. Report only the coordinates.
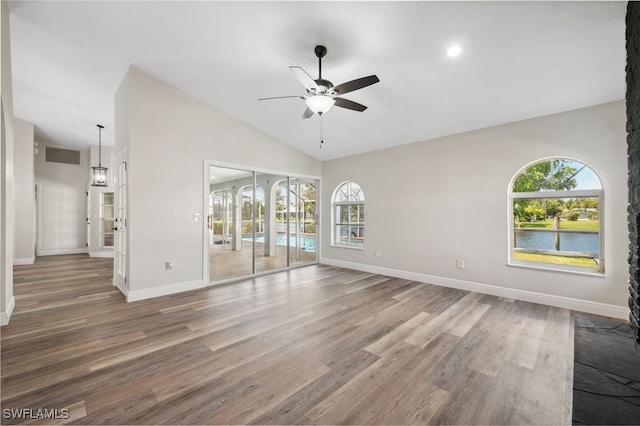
(59, 155)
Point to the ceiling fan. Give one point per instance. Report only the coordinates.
(322, 94)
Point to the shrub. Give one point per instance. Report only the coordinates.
(533, 211)
(573, 216)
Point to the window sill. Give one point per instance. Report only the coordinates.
(347, 247)
(550, 267)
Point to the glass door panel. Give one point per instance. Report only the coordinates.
(271, 233)
(108, 220)
(230, 223)
(302, 221)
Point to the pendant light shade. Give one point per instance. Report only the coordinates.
(99, 172)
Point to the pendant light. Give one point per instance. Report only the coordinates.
(99, 172)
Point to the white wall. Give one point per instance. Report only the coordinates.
(432, 202)
(7, 301)
(169, 135)
(25, 205)
(63, 204)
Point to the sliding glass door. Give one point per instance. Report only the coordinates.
(258, 222)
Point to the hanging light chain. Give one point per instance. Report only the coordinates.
(321, 131)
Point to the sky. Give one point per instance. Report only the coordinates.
(587, 179)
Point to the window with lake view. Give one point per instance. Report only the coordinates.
(556, 217)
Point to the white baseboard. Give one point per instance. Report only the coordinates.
(63, 251)
(149, 293)
(5, 316)
(596, 308)
(24, 261)
(101, 254)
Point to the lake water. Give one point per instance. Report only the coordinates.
(584, 243)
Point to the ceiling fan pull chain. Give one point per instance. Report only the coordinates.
(321, 131)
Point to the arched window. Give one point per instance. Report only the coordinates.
(556, 211)
(348, 215)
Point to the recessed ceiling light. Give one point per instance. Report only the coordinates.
(454, 50)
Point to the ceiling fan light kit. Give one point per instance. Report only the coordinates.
(320, 103)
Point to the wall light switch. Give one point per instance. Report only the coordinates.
(197, 217)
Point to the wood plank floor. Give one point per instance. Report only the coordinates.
(315, 345)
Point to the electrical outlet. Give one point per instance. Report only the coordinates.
(460, 264)
(378, 253)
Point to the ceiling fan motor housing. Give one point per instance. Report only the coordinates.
(324, 86)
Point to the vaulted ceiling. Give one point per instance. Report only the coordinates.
(519, 60)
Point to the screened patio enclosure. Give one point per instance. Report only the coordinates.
(259, 222)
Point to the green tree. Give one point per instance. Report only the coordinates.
(553, 207)
(246, 208)
(590, 203)
(548, 175)
(309, 196)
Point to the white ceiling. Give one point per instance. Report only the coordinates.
(519, 60)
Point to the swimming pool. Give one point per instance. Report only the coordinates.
(307, 242)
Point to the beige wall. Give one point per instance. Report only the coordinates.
(25, 204)
(432, 202)
(63, 204)
(169, 135)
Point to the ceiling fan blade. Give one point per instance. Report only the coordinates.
(304, 78)
(307, 113)
(346, 103)
(281, 97)
(352, 85)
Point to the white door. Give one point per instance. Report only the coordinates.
(36, 237)
(88, 193)
(121, 242)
